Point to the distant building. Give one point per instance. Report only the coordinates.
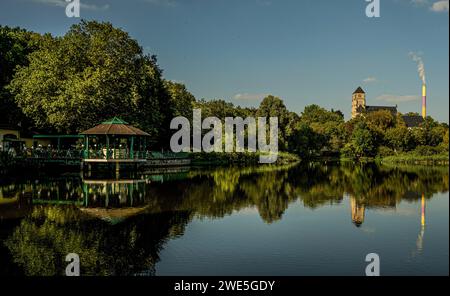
(412, 121)
(15, 137)
(8, 135)
(359, 105)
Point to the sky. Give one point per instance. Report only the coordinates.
(303, 51)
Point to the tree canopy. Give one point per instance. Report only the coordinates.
(95, 72)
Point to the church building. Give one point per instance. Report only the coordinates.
(359, 104)
(359, 107)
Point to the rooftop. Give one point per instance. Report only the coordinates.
(412, 120)
(392, 109)
(359, 90)
(115, 126)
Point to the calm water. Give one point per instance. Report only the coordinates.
(310, 219)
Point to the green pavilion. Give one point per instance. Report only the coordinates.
(115, 141)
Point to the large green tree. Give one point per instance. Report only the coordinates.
(362, 143)
(92, 73)
(181, 100)
(399, 138)
(305, 142)
(272, 106)
(15, 46)
(217, 108)
(328, 124)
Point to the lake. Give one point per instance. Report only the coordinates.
(307, 219)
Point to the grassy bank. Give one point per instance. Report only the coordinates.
(409, 158)
(238, 158)
(403, 158)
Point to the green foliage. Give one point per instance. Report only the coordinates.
(15, 46)
(399, 138)
(445, 140)
(385, 151)
(181, 100)
(305, 142)
(327, 125)
(426, 150)
(241, 158)
(272, 106)
(92, 73)
(95, 71)
(416, 159)
(385, 135)
(380, 120)
(316, 114)
(221, 109)
(362, 143)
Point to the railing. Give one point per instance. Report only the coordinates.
(167, 155)
(115, 154)
(52, 154)
(97, 154)
(126, 154)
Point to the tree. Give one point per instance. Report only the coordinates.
(316, 114)
(399, 138)
(380, 120)
(445, 140)
(272, 106)
(419, 136)
(305, 142)
(217, 108)
(328, 124)
(430, 133)
(362, 142)
(181, 100)
(15, 46)
(92, 73)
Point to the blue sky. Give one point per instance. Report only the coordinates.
(304, 51)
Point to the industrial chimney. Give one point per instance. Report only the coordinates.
(424, 101)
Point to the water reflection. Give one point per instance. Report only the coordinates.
(120, 226)
(419, 242)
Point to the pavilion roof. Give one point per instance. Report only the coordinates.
(115, 126)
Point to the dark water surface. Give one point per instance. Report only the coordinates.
(311, 219)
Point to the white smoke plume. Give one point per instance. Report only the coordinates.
(420, 66)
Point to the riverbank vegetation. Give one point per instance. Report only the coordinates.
(413, 158)
(95, 72)
(241, 158)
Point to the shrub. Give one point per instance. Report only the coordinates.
(385, 151)
(424, 150)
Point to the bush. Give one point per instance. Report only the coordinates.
(385, 151)
(348, 151)
(426, 150)
(241, 158)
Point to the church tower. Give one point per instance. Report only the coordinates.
(358, 102)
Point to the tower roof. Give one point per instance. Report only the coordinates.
(359, 90)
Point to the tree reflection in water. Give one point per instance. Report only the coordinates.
(118, 227)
